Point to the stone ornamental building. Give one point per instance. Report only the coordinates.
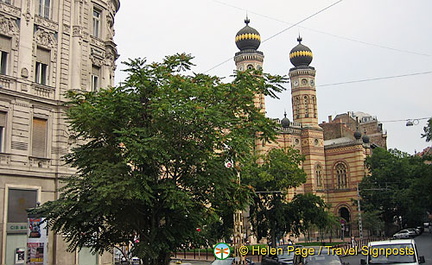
(47, 47)
(335, 151)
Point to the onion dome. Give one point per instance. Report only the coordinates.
(365, 139)
(300, 55)
(357, 135)
(248, 38)
(285, 122)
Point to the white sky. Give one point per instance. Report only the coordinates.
(351, 40)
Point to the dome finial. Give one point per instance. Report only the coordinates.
(247, 20)
(299, 38)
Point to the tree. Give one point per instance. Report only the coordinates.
(271, 175)
(428, 131)
(309, 211)
(372, 222)
(398, 187)
(272, 215)
(149, 166)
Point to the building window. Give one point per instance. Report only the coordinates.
(341, 176)
(3, 62)
(6, 1)
(2, 131)
(318, 170)
(96, 22)
(297, 107)
(41, 73)
(5, 49)
(306, 106)
(44, 8)
(19, 200)
(314, 105)
(95, 77)
(41, 68)
(39, 137)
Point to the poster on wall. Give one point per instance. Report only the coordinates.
(35, 227)
(35, 253)
(37, 242)
(19, 256)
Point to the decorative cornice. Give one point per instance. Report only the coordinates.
(306, 71)
(249, 56)
(345, 147)
(10, 10)
(46, 23)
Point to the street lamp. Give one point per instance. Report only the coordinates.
(412, 122)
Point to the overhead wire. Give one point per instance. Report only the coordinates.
(416, 119)
(282, 31)
(330, 34)
(374, 79)
(323, 32)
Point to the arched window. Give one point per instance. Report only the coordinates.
(341, 176)
(318, 175)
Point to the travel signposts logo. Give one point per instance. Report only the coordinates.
(221, 251)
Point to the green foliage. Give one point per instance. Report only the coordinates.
(150, 163)
(372, 221)
(399, 187)
(271, 175)
(278, 170)
(428, 131)
(310, 210)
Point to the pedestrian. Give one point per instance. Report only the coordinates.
(353, 242)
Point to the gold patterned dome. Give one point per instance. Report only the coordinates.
(248, 38)
(301, 55)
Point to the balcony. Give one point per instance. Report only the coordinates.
(6, 81)
(43, 91)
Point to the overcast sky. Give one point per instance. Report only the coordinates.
(373, 56)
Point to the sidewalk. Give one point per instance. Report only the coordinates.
(192, 262)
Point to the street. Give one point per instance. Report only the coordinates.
(424, 245)
(423, 242)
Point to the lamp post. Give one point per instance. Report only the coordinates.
(238, 232)
(360, 224)
(238, 224)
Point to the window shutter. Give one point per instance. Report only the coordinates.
(5, 44)
(43, 56)
(95, 70)
(39, 136)
(2, 119)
